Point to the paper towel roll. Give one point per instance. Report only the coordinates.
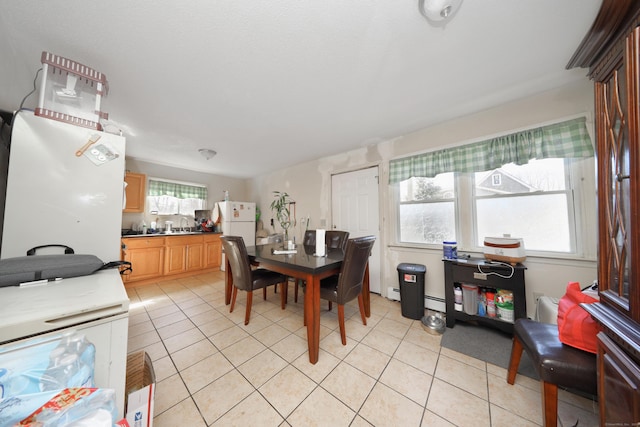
(320, 242)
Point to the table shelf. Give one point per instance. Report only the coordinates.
(496, 276)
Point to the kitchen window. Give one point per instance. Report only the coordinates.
(175, 198)
(548, 201)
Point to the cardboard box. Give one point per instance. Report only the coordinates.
(139, 390)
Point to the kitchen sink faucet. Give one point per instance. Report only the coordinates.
(187, 221)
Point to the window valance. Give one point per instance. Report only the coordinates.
(568, 139)
(173, 189)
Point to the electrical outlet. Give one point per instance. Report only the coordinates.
(537, 295)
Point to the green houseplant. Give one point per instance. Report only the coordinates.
(280, 206)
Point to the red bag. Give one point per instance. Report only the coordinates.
(575, 326)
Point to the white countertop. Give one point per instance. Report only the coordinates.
(37, 309)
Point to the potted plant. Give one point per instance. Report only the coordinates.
(281, 208)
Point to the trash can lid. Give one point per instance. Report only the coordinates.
(414, 268)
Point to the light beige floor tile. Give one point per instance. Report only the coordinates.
(175, 329)
(355, 330)
(358, 421)
(417, 356)
(393, 327)
(262, 367)
(271, 334)
(515, 398)
(195, 310)
(252, 411)
(193, 354)
(221, 395)
(275, 313)
(155, 351)
(407, 380)
(201, 374)
(432, 420)
(349, 385)
(287, 390)
(169, 392)
(140, 328)
(183, 340)
(190, 302)
(290, 347)
(464, 376)
(184, 413)
(217, 325)
(302, 332)
(163, 368)
(243, 350)
(143, 340)
(369, 360)
(162, 309)
(228, 337)
(321, 409)
(463, 358)
(178, 316)
(139, 316)
(292, 322)
(332, 343)
(381, 341)
(205, 317)
(419, 336)
(385, 407)
(569, 414)
(457, 406)
(502, 418)
(256, 323)
(318, 372)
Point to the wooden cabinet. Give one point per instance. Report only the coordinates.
(135, 192)
(184, 253)
(484, 275)
(212, 251)
(146, 256)
(611, 50)
(159, 256)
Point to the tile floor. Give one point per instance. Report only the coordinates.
(213, 370)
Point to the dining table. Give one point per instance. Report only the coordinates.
(302, 263)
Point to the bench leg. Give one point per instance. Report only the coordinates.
(514, 362)
(549, 403)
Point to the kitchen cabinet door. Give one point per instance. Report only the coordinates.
(176, 256)
(212, 251)
(135, 192)
(195, 254)
(146, 257)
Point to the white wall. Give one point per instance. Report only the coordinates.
(216, 184)
(309, 184)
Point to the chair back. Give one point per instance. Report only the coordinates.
(236, 252)
(336, 239)
(309, 238)
(353, 267)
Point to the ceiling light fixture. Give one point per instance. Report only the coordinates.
(438, 10)
(207, 153)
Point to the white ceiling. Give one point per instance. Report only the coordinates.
(270, 84)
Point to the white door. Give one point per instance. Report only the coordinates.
(355, 208)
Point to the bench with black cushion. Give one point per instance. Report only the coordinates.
(557, 364)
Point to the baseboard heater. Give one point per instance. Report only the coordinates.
(431, 303)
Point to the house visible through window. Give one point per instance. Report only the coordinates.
(175, 198)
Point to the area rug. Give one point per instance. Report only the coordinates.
(485, 343)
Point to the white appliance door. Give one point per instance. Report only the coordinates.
(245, 229)
(238, 211)
(57, 197)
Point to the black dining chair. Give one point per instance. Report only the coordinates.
(347, 285)
(334, 239)
(244, 278)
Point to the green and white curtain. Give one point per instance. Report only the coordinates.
(179, 191)
(568, 139)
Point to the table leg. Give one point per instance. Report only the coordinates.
(312, 317)
(366, 296)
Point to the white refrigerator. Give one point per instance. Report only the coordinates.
(237, 219)
(65, 186)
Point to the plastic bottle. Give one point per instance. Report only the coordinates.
(457, 293)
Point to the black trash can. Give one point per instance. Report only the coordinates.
(411, 278)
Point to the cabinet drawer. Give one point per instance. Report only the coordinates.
(184, 240)
(141, 242)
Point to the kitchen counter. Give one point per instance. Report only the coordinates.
(177, 233)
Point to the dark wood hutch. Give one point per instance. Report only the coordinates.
(611, 51)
